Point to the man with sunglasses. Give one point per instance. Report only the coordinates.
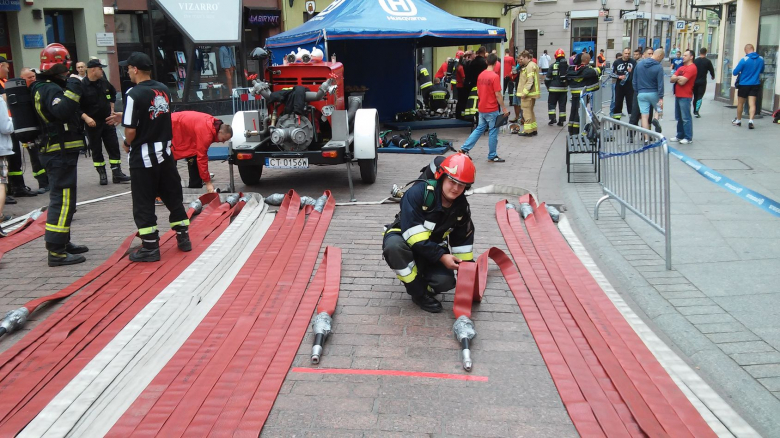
(433, 232)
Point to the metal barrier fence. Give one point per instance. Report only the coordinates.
(635, 173)
(244, 100)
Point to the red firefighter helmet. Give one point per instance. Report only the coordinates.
(560, 54)
(54, 53)
(459, 167)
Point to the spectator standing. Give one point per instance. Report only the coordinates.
(528, 90)
(703, 66)
(6, 149)
(649, 85)
(148, 134)
(624, 90)
(491, 104)
(97, 103)
(748, 72)
(684, 78)
(544, 63)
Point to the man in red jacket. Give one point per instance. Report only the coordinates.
(193, 133)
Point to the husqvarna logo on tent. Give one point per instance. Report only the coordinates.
(401, 10)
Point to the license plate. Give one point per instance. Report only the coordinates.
(287, 163)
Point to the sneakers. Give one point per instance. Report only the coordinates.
(736, 122)
(686, 141)
(496, 159)
(145, 255)
(750, 125)
(674, 139)
(428, 303)
(64, 259)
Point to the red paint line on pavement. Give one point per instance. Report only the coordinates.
(391, 373)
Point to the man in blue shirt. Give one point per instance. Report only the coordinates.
(748, 72)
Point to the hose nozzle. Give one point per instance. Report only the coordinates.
(14, 320)
(321, 326)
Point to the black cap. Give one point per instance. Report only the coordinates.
(95, 63)
(138, 60)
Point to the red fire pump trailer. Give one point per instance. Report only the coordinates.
(332, 129)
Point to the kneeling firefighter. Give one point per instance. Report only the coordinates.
(433, 232)
(56, 98)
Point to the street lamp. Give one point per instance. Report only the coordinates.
(626, 11)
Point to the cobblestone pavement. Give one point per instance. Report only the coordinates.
(377, 327)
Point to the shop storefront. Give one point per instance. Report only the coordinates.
(769, 48)
(201, 63)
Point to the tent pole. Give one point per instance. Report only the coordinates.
(325, 39)
(501, 60)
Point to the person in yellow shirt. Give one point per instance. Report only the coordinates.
(528, 91)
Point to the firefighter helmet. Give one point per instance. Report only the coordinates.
(54, 53)
(560, 54)
(459, 167)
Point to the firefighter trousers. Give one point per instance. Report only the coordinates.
(103, 134)
(411, 270)
(62, 170)
(558, 99)
(147, 183)
(574, 114)
(15, 172)
(196, 182)
(529, 118)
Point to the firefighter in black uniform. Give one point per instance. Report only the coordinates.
(433, 232)
(56, 100)
(622, 69)
(153, 173)
(581, 79)
(97, 103)
(555, 81)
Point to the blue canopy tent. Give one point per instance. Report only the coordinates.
(376, 39)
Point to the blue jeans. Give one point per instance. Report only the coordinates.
(486, 121)
(612, 103)
(682, 112)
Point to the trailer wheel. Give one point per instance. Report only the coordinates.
(250, 174)
(366, 139)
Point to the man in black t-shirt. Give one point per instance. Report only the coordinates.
(621, 73)
(703, 66)
(97, 103)
(148, 134)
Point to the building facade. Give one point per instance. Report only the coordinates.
(26, 27)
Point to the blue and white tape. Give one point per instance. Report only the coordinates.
(763, 202)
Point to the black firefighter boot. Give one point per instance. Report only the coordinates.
(59, 255)
(43, 183)
(149, 250)
(101, 170)
(420, 296)
(117, 176)
(183, 238)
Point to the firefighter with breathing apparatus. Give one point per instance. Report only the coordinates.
(433, 232)
(56, 98)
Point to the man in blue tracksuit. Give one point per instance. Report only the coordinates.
(748, 73)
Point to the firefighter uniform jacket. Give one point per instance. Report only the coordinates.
(583, 78)
(97, 98)
(556, 77)
(57, 110)
(427, 229)
(423, 77)
(528, 85)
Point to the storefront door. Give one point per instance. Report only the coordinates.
(5, 43)
(59, 29)
(730, 58)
